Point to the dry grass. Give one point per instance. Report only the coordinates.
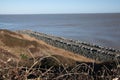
(20, 44)
(23, 57)
(51, 68)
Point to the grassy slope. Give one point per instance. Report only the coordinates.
(16, 44)
(18, 50)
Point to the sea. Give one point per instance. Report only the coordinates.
(99, 28)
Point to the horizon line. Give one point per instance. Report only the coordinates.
(59, 13)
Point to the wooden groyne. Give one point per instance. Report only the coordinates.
(88, 50)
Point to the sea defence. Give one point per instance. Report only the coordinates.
(82, 48)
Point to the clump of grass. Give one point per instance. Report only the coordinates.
(23, 56)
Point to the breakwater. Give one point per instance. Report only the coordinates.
(88, 50)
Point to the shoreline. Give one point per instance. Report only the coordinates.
(88, 50)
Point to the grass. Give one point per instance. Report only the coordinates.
(41, 61)
(53, 68)
(50, 68)
(13, 41)
(23, 56)
(16, 44)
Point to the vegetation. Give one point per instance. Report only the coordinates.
(23, 58)
(50, 68)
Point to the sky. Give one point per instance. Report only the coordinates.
(58, 6)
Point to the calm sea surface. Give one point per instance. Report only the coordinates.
(100, 29)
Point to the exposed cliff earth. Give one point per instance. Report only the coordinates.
(24, 57)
